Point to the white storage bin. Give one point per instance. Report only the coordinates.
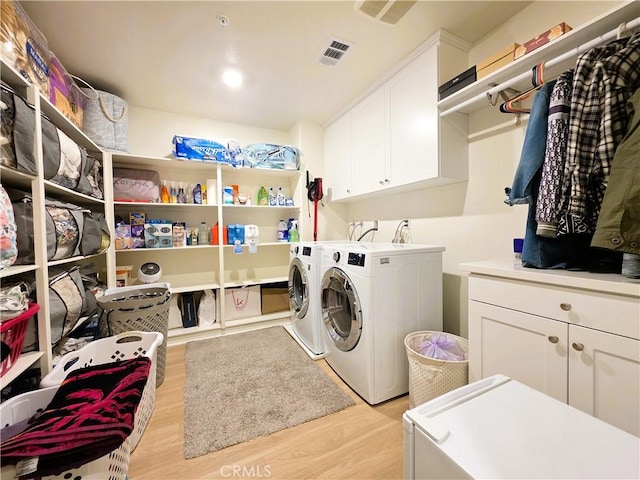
(113, 466)
(124, 346)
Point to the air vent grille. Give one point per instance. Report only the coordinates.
(333, 51)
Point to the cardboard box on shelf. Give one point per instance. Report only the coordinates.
(541, 40)
(502, 57)
(242, 302)
(275, 298)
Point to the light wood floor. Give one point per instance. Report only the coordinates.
(361, 442)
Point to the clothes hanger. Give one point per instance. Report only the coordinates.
(537, 80)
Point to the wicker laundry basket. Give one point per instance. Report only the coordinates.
(430, 377)
(145, 309)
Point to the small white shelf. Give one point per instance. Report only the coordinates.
(168, 249)
(122, 205)
(66, 194)
(17, 270)
(255, 281)
(262, 207)
(473, 96)
(78, 258)
(195, 288)
(190, 331)
(285, 314)
(11, 177)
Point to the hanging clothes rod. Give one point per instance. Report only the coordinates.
(605, 37)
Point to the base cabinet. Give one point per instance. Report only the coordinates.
(591, 362)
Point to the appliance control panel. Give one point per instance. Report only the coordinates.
(306, 251)
(356, 259)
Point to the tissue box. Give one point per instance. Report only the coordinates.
(24, 47)
(65, 94)
(498, 60)
(242, 302)
(541, 40)
(137, 236)
(122, 237)
(158, 235)
(205, 150)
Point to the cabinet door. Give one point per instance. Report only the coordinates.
(337, 158)
(413, 120)
(604, 377)
(525, 347)
(368, 144)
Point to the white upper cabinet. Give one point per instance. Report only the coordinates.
(337, 158)
(396, 139)
(370, 162)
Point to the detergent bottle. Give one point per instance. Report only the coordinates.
(294, 234)
(164, 194)
(263, 196)
(283, 234)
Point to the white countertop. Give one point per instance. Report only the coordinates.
(603, 282)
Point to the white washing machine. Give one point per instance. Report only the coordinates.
(304, 297)
(372, 296)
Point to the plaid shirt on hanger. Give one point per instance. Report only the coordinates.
(605, 78)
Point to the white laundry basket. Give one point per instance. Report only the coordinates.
(113, 466)
(430, 377)
(123, 346)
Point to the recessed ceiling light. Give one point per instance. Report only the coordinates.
(232, 78)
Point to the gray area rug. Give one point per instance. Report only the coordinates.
(252, 384)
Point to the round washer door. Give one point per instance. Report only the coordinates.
(341, 310)
(298, 288)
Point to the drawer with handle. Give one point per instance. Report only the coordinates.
(618, 314)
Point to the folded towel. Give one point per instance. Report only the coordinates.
(91, 414)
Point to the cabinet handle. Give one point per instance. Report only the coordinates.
(565, 306)
(578, 347)
(381, 182)
(553, 339)
(386, 180)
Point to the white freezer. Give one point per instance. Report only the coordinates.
(498, 428)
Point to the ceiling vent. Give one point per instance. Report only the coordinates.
(390, 11)
(333, 51)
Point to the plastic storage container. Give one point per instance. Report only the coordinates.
(431, 377)
(113, 466)
(124, 346)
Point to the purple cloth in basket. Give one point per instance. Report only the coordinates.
(91, 414)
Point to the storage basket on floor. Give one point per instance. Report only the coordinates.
(430, 377)
(12, 332)
(145, 309)
(113, 466)
(123, 346)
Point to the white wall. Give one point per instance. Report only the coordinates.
(151, 132)
(470, 219)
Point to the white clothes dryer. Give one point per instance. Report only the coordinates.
(372, 296)
(304, 297)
